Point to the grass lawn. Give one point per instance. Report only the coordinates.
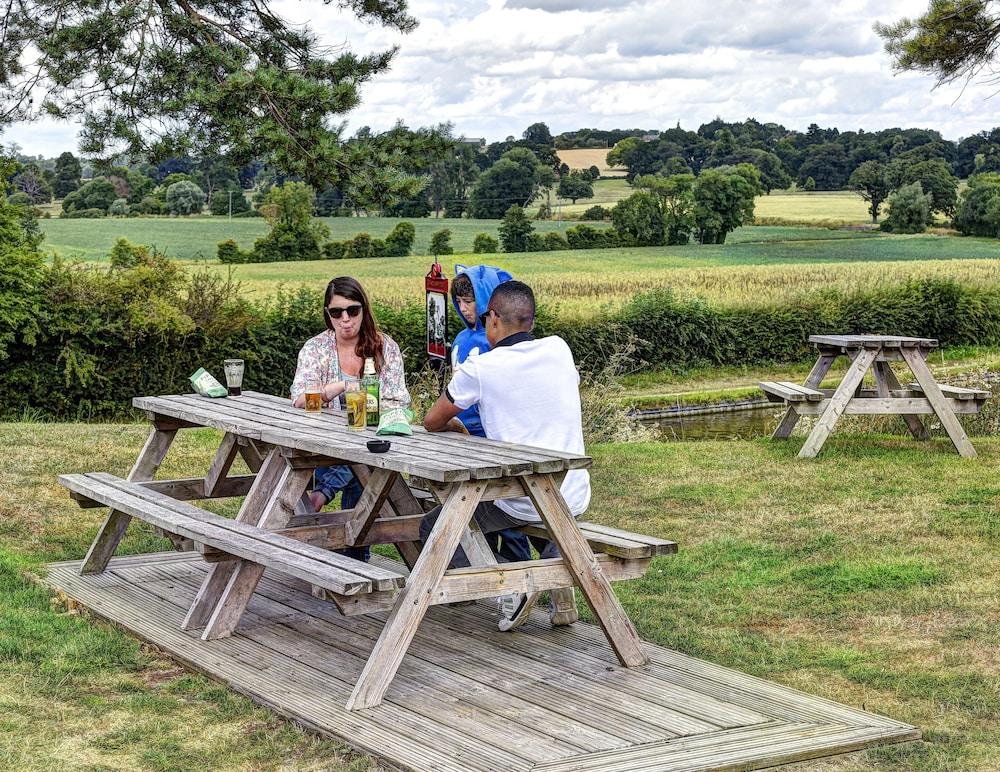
(867, 576)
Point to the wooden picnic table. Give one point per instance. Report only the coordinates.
(889, 397)
(276, 528)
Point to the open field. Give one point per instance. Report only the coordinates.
(196, 238)
(581, 283)
(584, 158)
(867, 576)
(840, 207)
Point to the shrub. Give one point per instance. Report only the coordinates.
(219, 204)
(554, 241)
(441, 242)
(485, 244)
(400, 240)
(978, 211)
(809, 185)
(184, 198)
(19, 199)
(149, 205)
(333, 250)
(515, 230)
(360, 247)
(286, 243)
(119, 208)
(535, 243)
(589, 237)
(544, 212)
(24, 273)
(229, 251)
(83, 214)
(595, 213)
(909, 210)
(99, 193)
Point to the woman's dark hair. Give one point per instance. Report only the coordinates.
(462, 287)
(369, 336)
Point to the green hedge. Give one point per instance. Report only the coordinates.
(106, 336)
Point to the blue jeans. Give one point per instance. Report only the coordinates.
(329, 480)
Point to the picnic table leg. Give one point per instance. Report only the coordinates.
(838, 403)
(938, 402)
(585, 570)
(813, 380)
(113, 530)
(885, 381)
(415, 597)
(403, 502)
(268, 473)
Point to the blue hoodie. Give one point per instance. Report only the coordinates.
(472, 339)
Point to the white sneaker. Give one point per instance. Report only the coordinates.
(562, 607)
(515, 609)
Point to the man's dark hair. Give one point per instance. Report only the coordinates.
(462, 287)
(514, 302)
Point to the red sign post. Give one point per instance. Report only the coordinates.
(436, 287)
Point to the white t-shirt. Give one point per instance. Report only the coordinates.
(528, 393)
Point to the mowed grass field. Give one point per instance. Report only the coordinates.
(868, 576)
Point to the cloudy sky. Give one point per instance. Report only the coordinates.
(492, 67)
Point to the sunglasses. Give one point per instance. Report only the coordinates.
(352, 311)
(486, 315)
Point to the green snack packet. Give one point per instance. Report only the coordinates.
(206, 385)
(395, 421)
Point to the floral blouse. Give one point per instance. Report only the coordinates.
(318, 361)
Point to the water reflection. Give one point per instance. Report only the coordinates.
(729, 425)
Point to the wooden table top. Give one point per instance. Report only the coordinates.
(442, 457)
(872, 341)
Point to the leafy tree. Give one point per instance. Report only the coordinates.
(723, 201)
(595, 172)
(452, 178)
(871, 182)
(158, 79)
(953, 40)
(538, 134)
(676, 195)
(184, 198)
(575, 185)
(68, 173)
(516, 179)
(294, 236)
(978, 211)
(516, 230)
(909, 210)
(22, 267)
(934, 177)
(809, 185)
(596, 213)
(118, 208)
(329, 201)
(441, 242)
(400, 240)
(827, 164)
(639, 220)
(99, 193)
(221, 199)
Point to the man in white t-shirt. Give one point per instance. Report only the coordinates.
(528, 392)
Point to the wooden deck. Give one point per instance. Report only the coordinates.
(470, 698)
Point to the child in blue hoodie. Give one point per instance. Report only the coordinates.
(470, 292)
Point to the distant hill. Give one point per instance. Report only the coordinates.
(586, 157)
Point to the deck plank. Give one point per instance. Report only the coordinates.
(468, 697)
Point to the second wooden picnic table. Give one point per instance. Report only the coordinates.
(875, 353)
(282, 446)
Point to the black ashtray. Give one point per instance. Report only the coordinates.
(378, 446)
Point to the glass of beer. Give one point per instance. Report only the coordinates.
(357, 402)
(234, 376)
(314, 397)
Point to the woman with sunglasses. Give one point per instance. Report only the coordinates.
(334, 357)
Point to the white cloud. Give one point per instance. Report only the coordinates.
(493, 67)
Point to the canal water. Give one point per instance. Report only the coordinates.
(726, 425)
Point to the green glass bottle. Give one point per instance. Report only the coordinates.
(370, 385)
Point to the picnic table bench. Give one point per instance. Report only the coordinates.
(276, 529)
(889, 397)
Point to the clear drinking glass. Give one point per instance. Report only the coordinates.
(314, 397)
(357, 401)
(234, 376)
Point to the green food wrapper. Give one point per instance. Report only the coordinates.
(395, 421)
(206, 385)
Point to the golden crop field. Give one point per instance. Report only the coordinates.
(584, 158)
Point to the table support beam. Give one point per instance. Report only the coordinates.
(933, 393)
(885, 384)
(841, 397)
(113, 530)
